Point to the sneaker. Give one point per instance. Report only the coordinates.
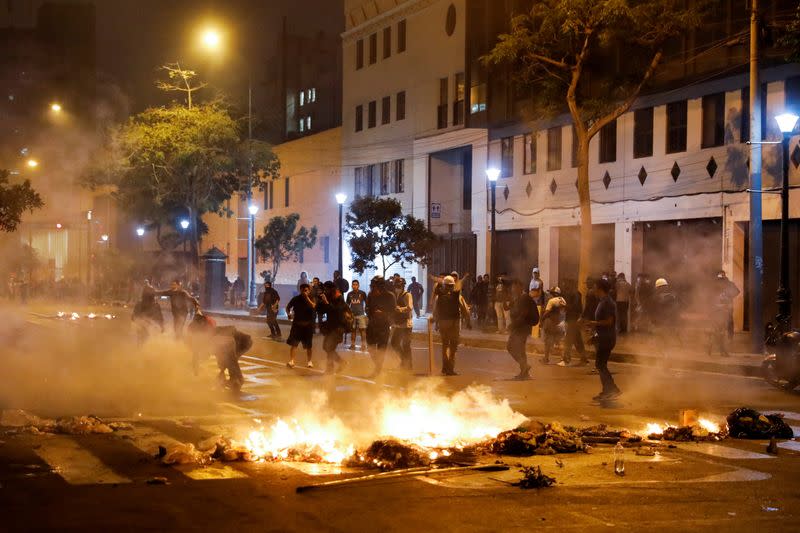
(309, 365)
(290, 364)
(562, 363)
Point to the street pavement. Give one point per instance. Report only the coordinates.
(99, 482)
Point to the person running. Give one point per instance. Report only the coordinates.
(553, 324)
(403, 324)
(381, 305)
(604, 324)
(448, 311)
(270, 300)
(338, 320)
(524, 315)
(180, 302)
(357, 301)
(300, 310)
(416, 290)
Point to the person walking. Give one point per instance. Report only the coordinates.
(338, 320)
(270, 301)
(147, 313)
(316, 291)
(623, 298)
(663, 312)
(448, 311)
(416, 290)
(604, 324)
(238, 292)
(524, 315)
(502, 305)
(480, 299)
(357, 302)
(537, 285)
(180, 302)
(573, 337)
(300, 311)
(403, 324)
(723, 293)
(381, 306)
(642, 294)
(553, 325)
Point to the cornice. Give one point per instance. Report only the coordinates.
(389, 17)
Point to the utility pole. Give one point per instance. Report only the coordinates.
(756, 259)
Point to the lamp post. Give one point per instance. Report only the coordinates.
(492, 174)
(140, 234)
(251, 256)
(341, 198)
(786, 123)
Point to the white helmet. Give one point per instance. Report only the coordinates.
(448, 280)
(661, 282)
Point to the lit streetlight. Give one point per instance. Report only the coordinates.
(104, 237)
(55, 107)
(32, 163)
(184, 224)
(58, 225)
(341, 198)
(211, 39)
(140, 231)
(786, 123)
(492, 174)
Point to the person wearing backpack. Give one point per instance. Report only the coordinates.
(338, 320)
(553, 324)
(403, 324)
(524, 315)
(448, 311)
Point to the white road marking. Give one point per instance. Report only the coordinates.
(318, 371)
(725, 452)
(790, 445)
(75, 463)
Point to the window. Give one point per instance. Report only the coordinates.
(387, 42)
(643, 132)
(271, 194)
(529, 158)
(401, 36)
(359, 117)
(574, 147)
(302, 98)
(302, 125)
(308, 123)
(676, 127)
(744, 116)
(361, 186)
(373, 48)
(266, 196)
(385, 178)
(506, 157)
(458, 105)
(360, 54)
(373, 111)
(554, 148)
(477, 98)
(441, 110)
(312, 94)
(400, 112)
(713, 132)
(326, 248)
(386, 110)
(608, 142)
(286, 193)
(399, 176)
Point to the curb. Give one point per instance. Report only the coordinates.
(735, 369)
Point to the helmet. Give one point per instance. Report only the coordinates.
(661, 282)
(448, 280)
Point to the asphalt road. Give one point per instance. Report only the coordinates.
(98, 482)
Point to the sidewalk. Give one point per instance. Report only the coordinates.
(688, 353)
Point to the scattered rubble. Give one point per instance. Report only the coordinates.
(746, 423)
(688, 434)
(390, 455)
(24, 422)
(533, 478)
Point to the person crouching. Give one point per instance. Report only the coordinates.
(226, 343)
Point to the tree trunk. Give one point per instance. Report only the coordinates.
(585, 258)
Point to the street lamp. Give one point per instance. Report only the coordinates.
(492, 174)
(55, 107)
(140, 231)
(184, 224)
(32, 163)
(251, 256)
(104, 237)
(786, 123)
(341, 198)
(211, 39)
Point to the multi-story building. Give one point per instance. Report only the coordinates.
(423, 119)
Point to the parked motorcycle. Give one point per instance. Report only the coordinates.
(782, 368)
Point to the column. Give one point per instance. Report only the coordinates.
(623, 249)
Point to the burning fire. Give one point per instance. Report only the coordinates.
(653, 429)
(708, 425)
(702, 425)
(424, 417)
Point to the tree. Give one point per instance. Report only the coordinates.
(180, 80)
(592, 57)
(791, 38)
(380, 235)
(175, 162)
(283, 240)
(14, 200)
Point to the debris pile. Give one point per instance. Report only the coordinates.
(746, 423)
(24, 422)
(535, 438)
(688, 434)
(533, 478)
(390, 454)
(601, 434)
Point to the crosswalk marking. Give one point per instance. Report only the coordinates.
(75, 464)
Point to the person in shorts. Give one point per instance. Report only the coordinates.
(301, 310)
(357, 301)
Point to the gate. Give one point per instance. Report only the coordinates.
(455, 251)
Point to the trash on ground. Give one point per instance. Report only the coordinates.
(183, 454)
(158, 480)
(533, 478)
(24, 422)
(746, 423)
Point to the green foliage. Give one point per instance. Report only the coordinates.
(791, 38)
(173, 162)
(14, 200)
(284, 241)
(379, 233)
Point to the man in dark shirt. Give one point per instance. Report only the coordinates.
(332, 305)
(380, 309)
(301, 311)
(574, 338)
(180, 302)
(270, 300)
(524, 315)
(605, 325)
(357, 301)
(416, 290)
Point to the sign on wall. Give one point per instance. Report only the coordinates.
(436, 210)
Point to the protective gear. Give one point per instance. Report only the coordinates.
(448, 280)
(661, 282)
(535, 270)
